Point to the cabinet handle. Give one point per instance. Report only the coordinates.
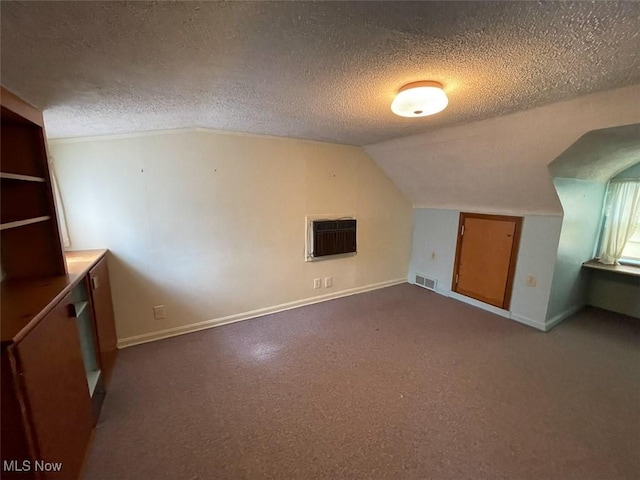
(94, 282)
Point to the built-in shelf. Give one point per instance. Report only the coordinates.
(30, 237)
(22, 223)
(24, 178)
(619, 269)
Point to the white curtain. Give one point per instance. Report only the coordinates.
(621, 208)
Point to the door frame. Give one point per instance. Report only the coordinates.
(515, 247)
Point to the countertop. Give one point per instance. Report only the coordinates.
(25, 302)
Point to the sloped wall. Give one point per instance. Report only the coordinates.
(212, 225)
(599, 154)
(631, 172)
(499, 165)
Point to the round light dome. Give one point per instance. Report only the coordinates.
(420, 99)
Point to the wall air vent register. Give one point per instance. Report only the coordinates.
(426, 282)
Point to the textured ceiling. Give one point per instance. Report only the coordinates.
(600, 154)
(316, 70)
(500, 165)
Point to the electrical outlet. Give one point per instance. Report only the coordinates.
(328, 282)
(159, 312)
(317, 282)
(433, 255)
(531, 281)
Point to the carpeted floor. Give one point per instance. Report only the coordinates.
(399, 383)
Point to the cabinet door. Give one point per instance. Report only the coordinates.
(13, 437)
(486, 257)
(103, 315)
(55, 391)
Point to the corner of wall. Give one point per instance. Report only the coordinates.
(582, 204)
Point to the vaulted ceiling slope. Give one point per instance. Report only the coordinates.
(316, 70)
(499, 165)
(600, 154)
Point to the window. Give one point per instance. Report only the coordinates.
(631, 251)
(620, 239)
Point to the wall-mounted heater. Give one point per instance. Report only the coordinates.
(332, 237)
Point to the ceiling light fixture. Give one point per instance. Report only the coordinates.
(419, 99)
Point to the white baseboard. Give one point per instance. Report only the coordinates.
(498, 311)
(529, 321)
(443, 292)
(216, 322)
(561, 316)
(479, 304)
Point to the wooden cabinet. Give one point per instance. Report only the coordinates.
(57, 328)
(58, 350)
(50, 376)
(103, 315)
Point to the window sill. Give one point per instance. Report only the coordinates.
(621, 269)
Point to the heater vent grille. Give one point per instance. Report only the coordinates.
(426, 282)
(334, 237)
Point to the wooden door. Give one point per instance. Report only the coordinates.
(103, 315)
(56, 392)
(486, 257)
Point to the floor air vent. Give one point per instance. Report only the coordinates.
(426, 282)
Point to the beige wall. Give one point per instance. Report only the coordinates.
(212, 225)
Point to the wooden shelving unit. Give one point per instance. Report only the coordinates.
(57, 327)
(24, 223)
(29, 236)
(24, 178)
